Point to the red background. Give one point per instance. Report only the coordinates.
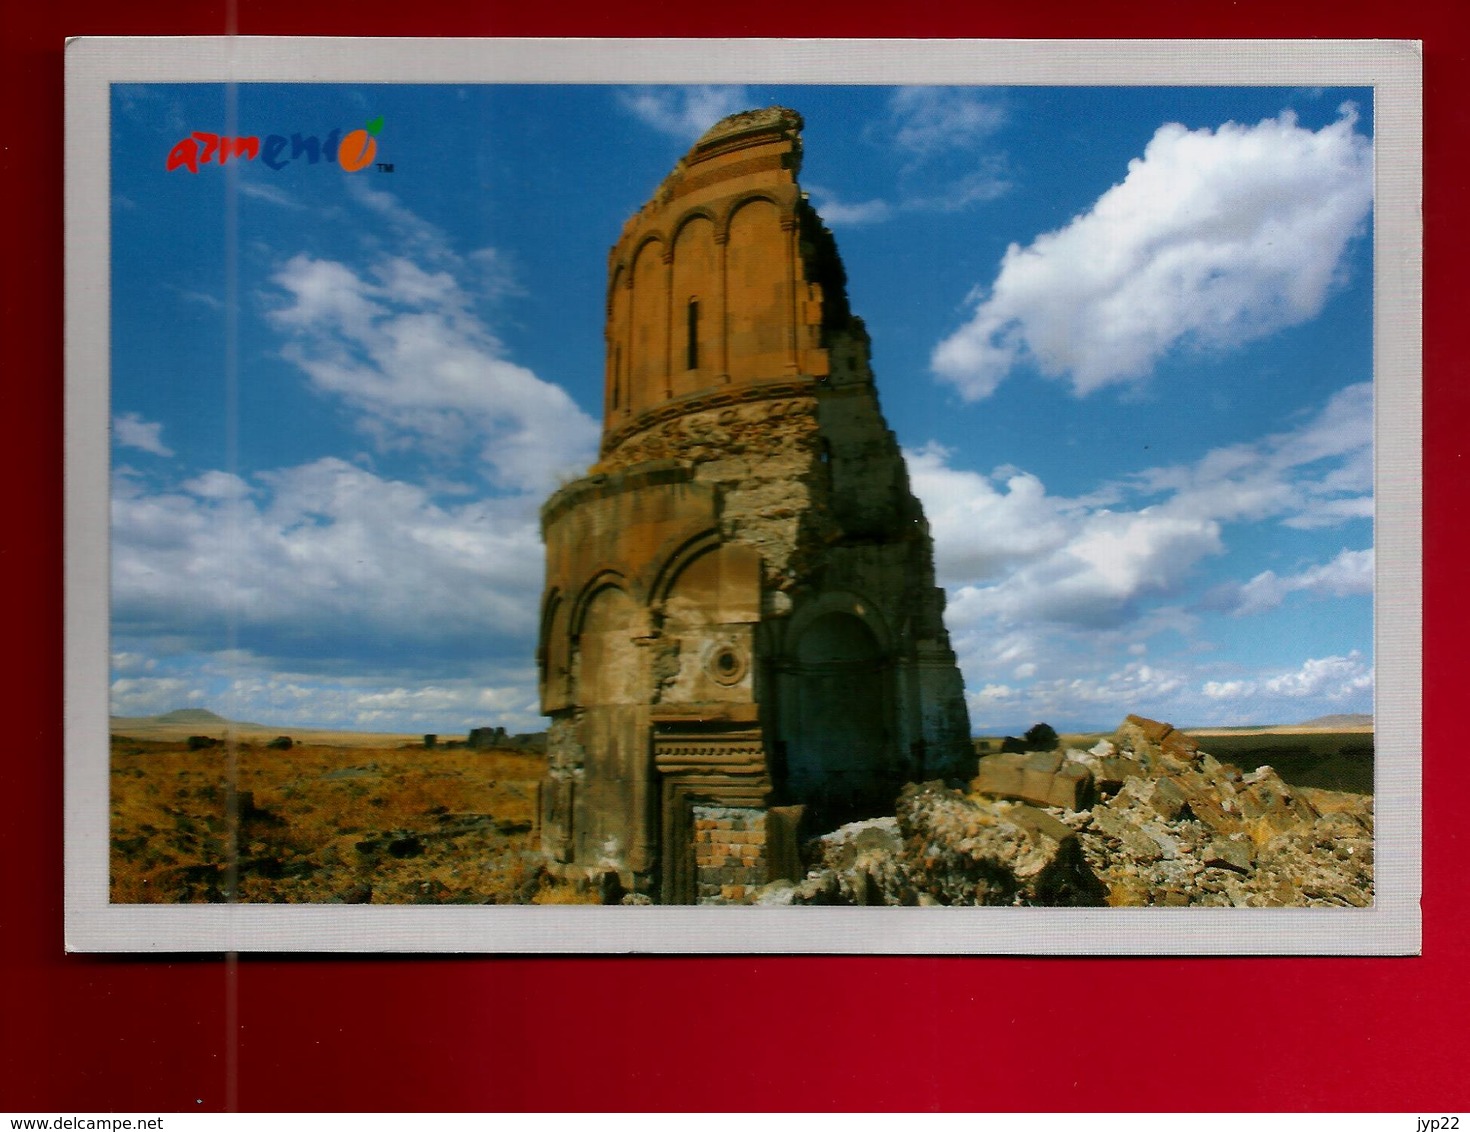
(97, 1033)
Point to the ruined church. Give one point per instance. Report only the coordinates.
(741, 640)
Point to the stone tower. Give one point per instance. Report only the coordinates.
(740, 630)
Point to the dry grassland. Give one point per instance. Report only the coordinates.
(325, 824)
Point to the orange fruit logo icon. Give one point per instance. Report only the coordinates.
(357, 150)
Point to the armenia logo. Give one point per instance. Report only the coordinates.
(353, 151)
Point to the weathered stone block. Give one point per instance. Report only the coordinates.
(1119, 825)
(1113, 772)
(1235, 855)
(977, 852)
(1167, 798)
(1152, 730)
(1001, 776)
(1270, 806)
(1071, 788)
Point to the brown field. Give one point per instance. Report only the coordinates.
(167, 731)
(318, 823)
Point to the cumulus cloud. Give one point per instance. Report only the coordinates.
(323, 559)
(325, 592)
(1011, 553)
(400, 346)
(1349, 574)
(149, 695)
(1055, 600)
(1214, 238)
(1332, 679)
(684, 112)
(130, 430)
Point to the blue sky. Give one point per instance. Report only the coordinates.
(1123, 334)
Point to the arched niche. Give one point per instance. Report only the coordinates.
(757, 283)
(607, 659)
(647, 353)
(616, 393)
(707, 582)
(555, 655)
(837, 721)
(695, 309)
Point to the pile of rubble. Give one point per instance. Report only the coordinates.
(1143, 819)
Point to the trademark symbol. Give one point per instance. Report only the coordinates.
(385, 167)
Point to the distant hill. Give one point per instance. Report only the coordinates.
(189, 715)
(1332, 722)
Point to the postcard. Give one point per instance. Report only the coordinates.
(743, 496)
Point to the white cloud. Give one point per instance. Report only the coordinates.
(1316, 475)
(839, 212)
(240, 686)
(938, 120)
(1054, 599)
(1109, 562)
(146, 695)
(1214, 238)
(1012, 554)
(935, 133)
(324, 593)
(1335, 677)
(324, 558)
(684, 111)
(400, 346)
(1330, 680)
(957, 193)
(217, 485)
(131, 431)
(979, 529)
(1349, 574)
(132, 663)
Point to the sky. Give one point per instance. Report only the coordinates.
(1124, 336)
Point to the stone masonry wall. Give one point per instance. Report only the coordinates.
(729, 853)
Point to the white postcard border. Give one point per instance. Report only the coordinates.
(1390, 927)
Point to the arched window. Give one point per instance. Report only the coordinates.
(691, 352)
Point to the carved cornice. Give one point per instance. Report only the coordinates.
(684, 406)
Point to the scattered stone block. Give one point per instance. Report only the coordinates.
(1071, 787)
(1116, 824)
(1037, 774)
(1001, 776)
(1113, 772)
(1167, 799)
(1041, 778)
(1234, 855)
(1270, 806)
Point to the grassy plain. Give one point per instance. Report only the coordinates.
(325, 824)
(1303, 756)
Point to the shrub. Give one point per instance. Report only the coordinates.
(1042, 737)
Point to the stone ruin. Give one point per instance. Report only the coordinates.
(741, 640)
(1144, 819)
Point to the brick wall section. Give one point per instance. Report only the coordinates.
(729, 853)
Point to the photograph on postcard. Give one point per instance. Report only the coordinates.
(766, 494)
